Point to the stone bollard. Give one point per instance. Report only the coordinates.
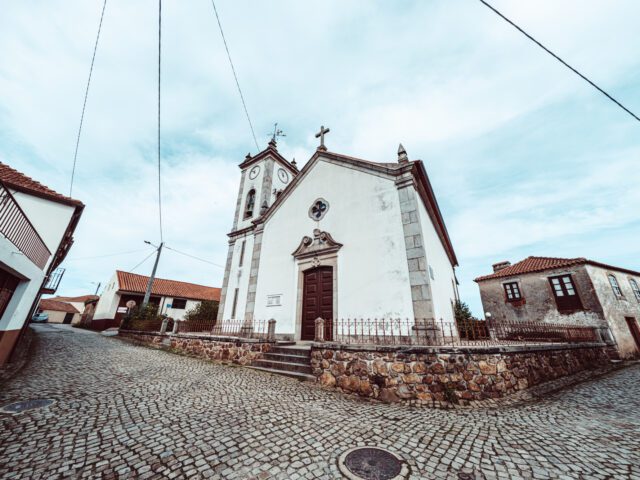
(163, 327)
(319, 337)
(271, 333)
(175, 326)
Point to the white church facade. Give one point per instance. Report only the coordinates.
(340, 238)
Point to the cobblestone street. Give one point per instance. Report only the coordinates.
(123, 411)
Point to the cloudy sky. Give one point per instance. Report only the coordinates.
(525, 157)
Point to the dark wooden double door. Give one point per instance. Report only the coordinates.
(317, 301)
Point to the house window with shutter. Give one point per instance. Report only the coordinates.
(512, 292)
(564, 291)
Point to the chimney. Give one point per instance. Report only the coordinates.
(501, 266)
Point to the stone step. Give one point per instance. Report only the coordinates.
(285, 357)
(303, 377)
(296, 350)
(285, 366)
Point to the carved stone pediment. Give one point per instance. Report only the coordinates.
(321, 244)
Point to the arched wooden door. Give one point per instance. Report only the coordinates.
(317, 301)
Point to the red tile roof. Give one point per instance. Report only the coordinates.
(56, 306)
(19, 181)
(131, 282)
(540, 264)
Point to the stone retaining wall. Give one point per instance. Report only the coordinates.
(460, 375)
(240, 351)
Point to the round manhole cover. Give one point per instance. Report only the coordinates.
(19, 407)
(371, 463)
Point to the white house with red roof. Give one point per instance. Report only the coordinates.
(36, 227)
(574, 291)
(172, 297)
(342, 237)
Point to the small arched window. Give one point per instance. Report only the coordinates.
(249, 204)
(614, 286)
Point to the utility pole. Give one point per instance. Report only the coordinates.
(147, 294)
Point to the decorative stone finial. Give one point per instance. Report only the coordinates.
(293, 162)
(248, 157)
(402, 155)
(272, 143)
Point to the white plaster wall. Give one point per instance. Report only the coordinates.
(442, 286)
(178, 313)
(12, 260)
(239, 277)
(364, 215)
(108, 304)
(50, 219)
(58, 317)
(277, 184)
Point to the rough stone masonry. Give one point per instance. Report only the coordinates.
(425, 375)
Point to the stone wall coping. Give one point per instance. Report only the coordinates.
(481, 349)
(196, 337)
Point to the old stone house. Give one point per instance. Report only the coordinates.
(568, 291)
(342, 237)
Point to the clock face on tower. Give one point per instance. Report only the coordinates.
(283, 176)
(253, 173)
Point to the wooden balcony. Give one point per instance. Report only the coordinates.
(16, 227)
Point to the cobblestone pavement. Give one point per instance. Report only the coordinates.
(123, 411)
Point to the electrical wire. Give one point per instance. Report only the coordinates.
(86, 95)
(235, 76)
(193, 256)
(159, 90)
(107, 255)
(145, 259)
(561, 60)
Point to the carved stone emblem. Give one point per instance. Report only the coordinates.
(321, 244)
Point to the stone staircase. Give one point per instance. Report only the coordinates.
(288, 360)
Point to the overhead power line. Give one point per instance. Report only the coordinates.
(194, 257)
(108, 255)
(86, 95)
(159, 90)
(144, 260)
(584, 77)
(235, 76)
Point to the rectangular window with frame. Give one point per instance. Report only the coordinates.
(564, 291)
(235, 303)
(241, 253)
(179, 303)
(635, 288)
(512, 291)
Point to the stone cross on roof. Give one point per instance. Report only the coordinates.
(320, 135)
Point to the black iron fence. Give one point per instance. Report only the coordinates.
(255, 329)
(227, 328)
(408, 331)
